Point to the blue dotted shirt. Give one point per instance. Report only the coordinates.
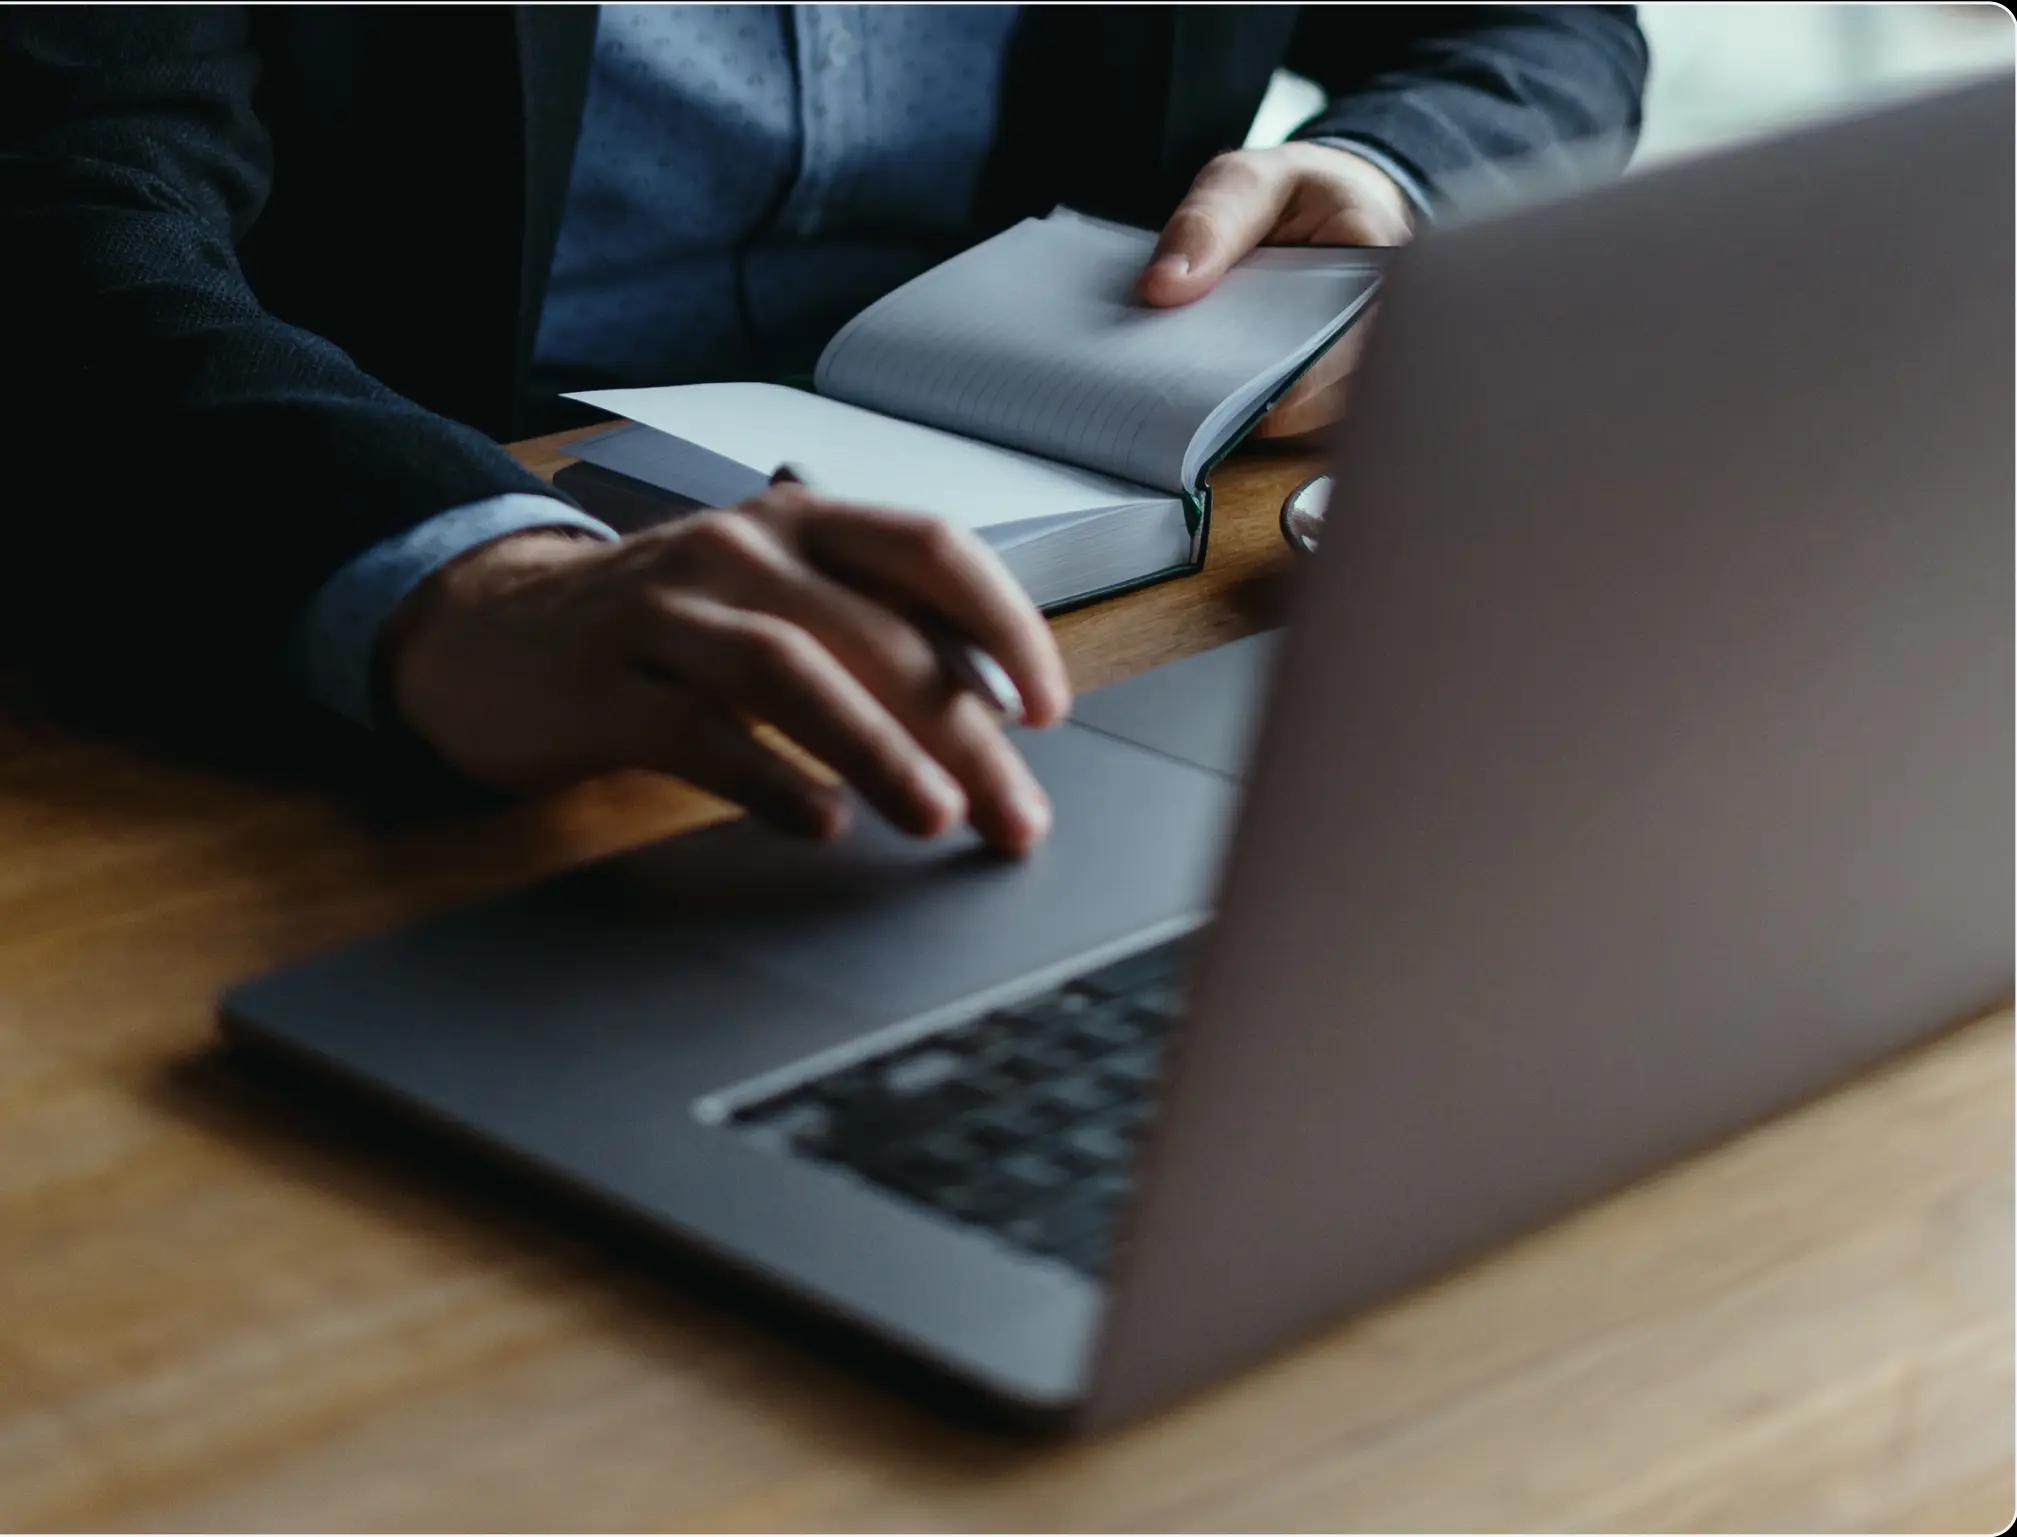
(748, 177)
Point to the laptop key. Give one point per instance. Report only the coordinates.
(1138, 1067)
(1033, 1171)
(999, 1127)
(1022, 1067)
(1164, 1002)
(957, 1096)
(1075, 1097)
(1108, 1028)
(920, 1070)
(1094, 1147)
(1054, 1009)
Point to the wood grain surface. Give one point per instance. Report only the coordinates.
(229, 1304)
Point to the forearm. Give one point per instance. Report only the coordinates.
(178, 434)
(1400, 174)
(1458, 95)
(188, 460)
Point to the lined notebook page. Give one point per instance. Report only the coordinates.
(1033, 339)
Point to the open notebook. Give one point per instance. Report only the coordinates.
(1020, 390)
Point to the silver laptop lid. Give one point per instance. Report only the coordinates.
(1641, 756)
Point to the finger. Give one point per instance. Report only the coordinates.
(1010, 809)
(639, 724)
(721, 757)
(1341, 198)
(949, 574)
(755, 563)
(901, 669)
(1229, 210)
(1357, 224)
(768, 667)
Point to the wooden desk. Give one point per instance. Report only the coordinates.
(220, 1308)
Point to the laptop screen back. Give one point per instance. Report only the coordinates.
(1642, 755)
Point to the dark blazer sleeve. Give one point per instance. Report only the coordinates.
(1460, 91)
(184, 469)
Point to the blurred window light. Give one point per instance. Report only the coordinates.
(1292, 100)
(1725, 72)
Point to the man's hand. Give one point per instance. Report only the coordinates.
(1295, 194)
(543, 659)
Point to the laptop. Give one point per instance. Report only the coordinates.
(1637, 759)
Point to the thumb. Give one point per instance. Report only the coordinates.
(1229, 210)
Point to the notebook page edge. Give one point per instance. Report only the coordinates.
(939, 349)
(1211, 441)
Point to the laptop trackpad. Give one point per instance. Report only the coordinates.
(890, 927)
(705, 959)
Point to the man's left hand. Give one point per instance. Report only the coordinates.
(1293, 194)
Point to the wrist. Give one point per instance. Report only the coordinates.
(1373, 182)
(1383, 175)
(417, 650)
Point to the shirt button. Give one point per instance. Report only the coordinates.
(840, 50)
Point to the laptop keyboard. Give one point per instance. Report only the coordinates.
(1023, 1122)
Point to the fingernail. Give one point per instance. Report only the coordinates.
(1175, 263)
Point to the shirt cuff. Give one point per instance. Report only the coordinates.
(333, 645)
(1405, 179)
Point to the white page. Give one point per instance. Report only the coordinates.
(857, 454)
(1034, 339)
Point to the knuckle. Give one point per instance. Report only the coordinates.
(912, 657)
(650, 615)
(774, 648)
(939, 542)
(726, 536)
(910, 676)
(1230, 168)
(784, 498)
(975, 738)
(656, 610)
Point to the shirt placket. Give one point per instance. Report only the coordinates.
(832, 110)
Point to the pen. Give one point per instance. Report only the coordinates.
(966, 663)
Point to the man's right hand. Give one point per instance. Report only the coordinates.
(542, 659)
